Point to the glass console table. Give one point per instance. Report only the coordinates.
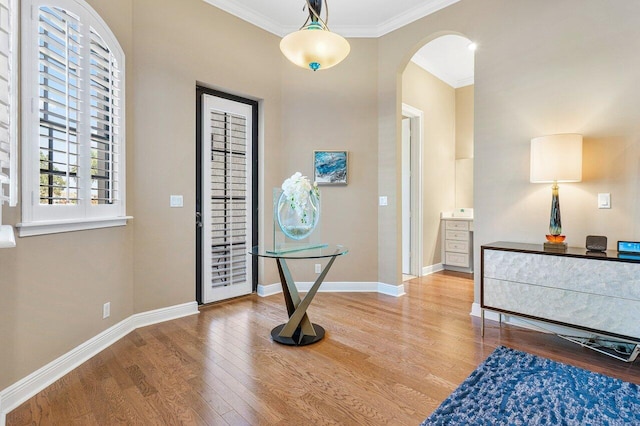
(299, 330)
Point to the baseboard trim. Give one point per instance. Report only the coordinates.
(22, 390)
(489, 315)
(432, 269)
(529, 324)
(265, 290)
(391, 290)
(338, 287)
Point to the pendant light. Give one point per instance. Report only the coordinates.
(314, 46)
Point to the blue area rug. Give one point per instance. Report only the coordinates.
(516, 388)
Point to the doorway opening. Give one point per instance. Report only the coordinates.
(438, 81)
(226, 195)
(412, 124)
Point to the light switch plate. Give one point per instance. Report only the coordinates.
(604, 201)
(383, 201)
(176, 201)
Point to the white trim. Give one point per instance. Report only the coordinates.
(463, 82)
(391, 289)
(14, 104)
(266, 290)
(432, 269)
(7, 238)
(355, 31)
(251, 16)
(22, 390)
(338, 287)
(531, 324)
(54, 227)
(411, 15)
(417, 125)
(442, 75)
(543, 327)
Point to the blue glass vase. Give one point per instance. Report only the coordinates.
(298, 222)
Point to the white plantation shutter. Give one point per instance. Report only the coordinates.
(8, 114)
(73, 126)
(60, 43)
(227, 193)
(8, 106)
(105, 122)
(228, 199)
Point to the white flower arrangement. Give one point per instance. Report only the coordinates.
(296, 190)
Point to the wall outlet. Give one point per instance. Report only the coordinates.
(383, 201)
(318, 268)
(106, 310)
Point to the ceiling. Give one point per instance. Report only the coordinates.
(447, 57)
(349, 18)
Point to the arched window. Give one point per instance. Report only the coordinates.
(73, 174)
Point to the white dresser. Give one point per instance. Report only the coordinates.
(594, 292)
(457, 243)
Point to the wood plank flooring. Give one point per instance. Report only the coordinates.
(384, 361)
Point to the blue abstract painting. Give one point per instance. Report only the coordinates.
(330, 167)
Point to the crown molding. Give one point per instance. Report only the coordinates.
(249, 15)
(411, 15)
(464, 82)
(447, 78)
(353, 31)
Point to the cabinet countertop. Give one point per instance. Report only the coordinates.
(570, 252)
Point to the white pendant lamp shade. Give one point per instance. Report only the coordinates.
(314, 48)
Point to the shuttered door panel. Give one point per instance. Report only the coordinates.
(60, 60)
(227, 232)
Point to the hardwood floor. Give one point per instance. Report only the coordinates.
(384, 361)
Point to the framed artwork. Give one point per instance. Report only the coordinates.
(330, 167)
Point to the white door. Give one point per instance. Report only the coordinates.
(406, 196)
(226, 198)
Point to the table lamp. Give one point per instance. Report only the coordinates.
(554, 159)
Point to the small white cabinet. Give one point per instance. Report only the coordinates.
(457, 245)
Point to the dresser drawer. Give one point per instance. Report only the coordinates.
(459, 225)
(456, 246)
(457, 259)
(457, 235)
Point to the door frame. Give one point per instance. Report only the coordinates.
(200, 92)
(417, 121)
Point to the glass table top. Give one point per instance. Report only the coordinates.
(316, 251)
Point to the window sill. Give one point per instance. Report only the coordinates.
(7, 238)
(55, 227)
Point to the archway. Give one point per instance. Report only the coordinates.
(436, 84)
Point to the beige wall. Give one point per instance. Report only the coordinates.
(52, 287)
(206, 45)
(437, 100)
(576, 76)
(202, 44)
(464, 122)
(336, 110)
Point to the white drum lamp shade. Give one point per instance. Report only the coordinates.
(556, 158)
